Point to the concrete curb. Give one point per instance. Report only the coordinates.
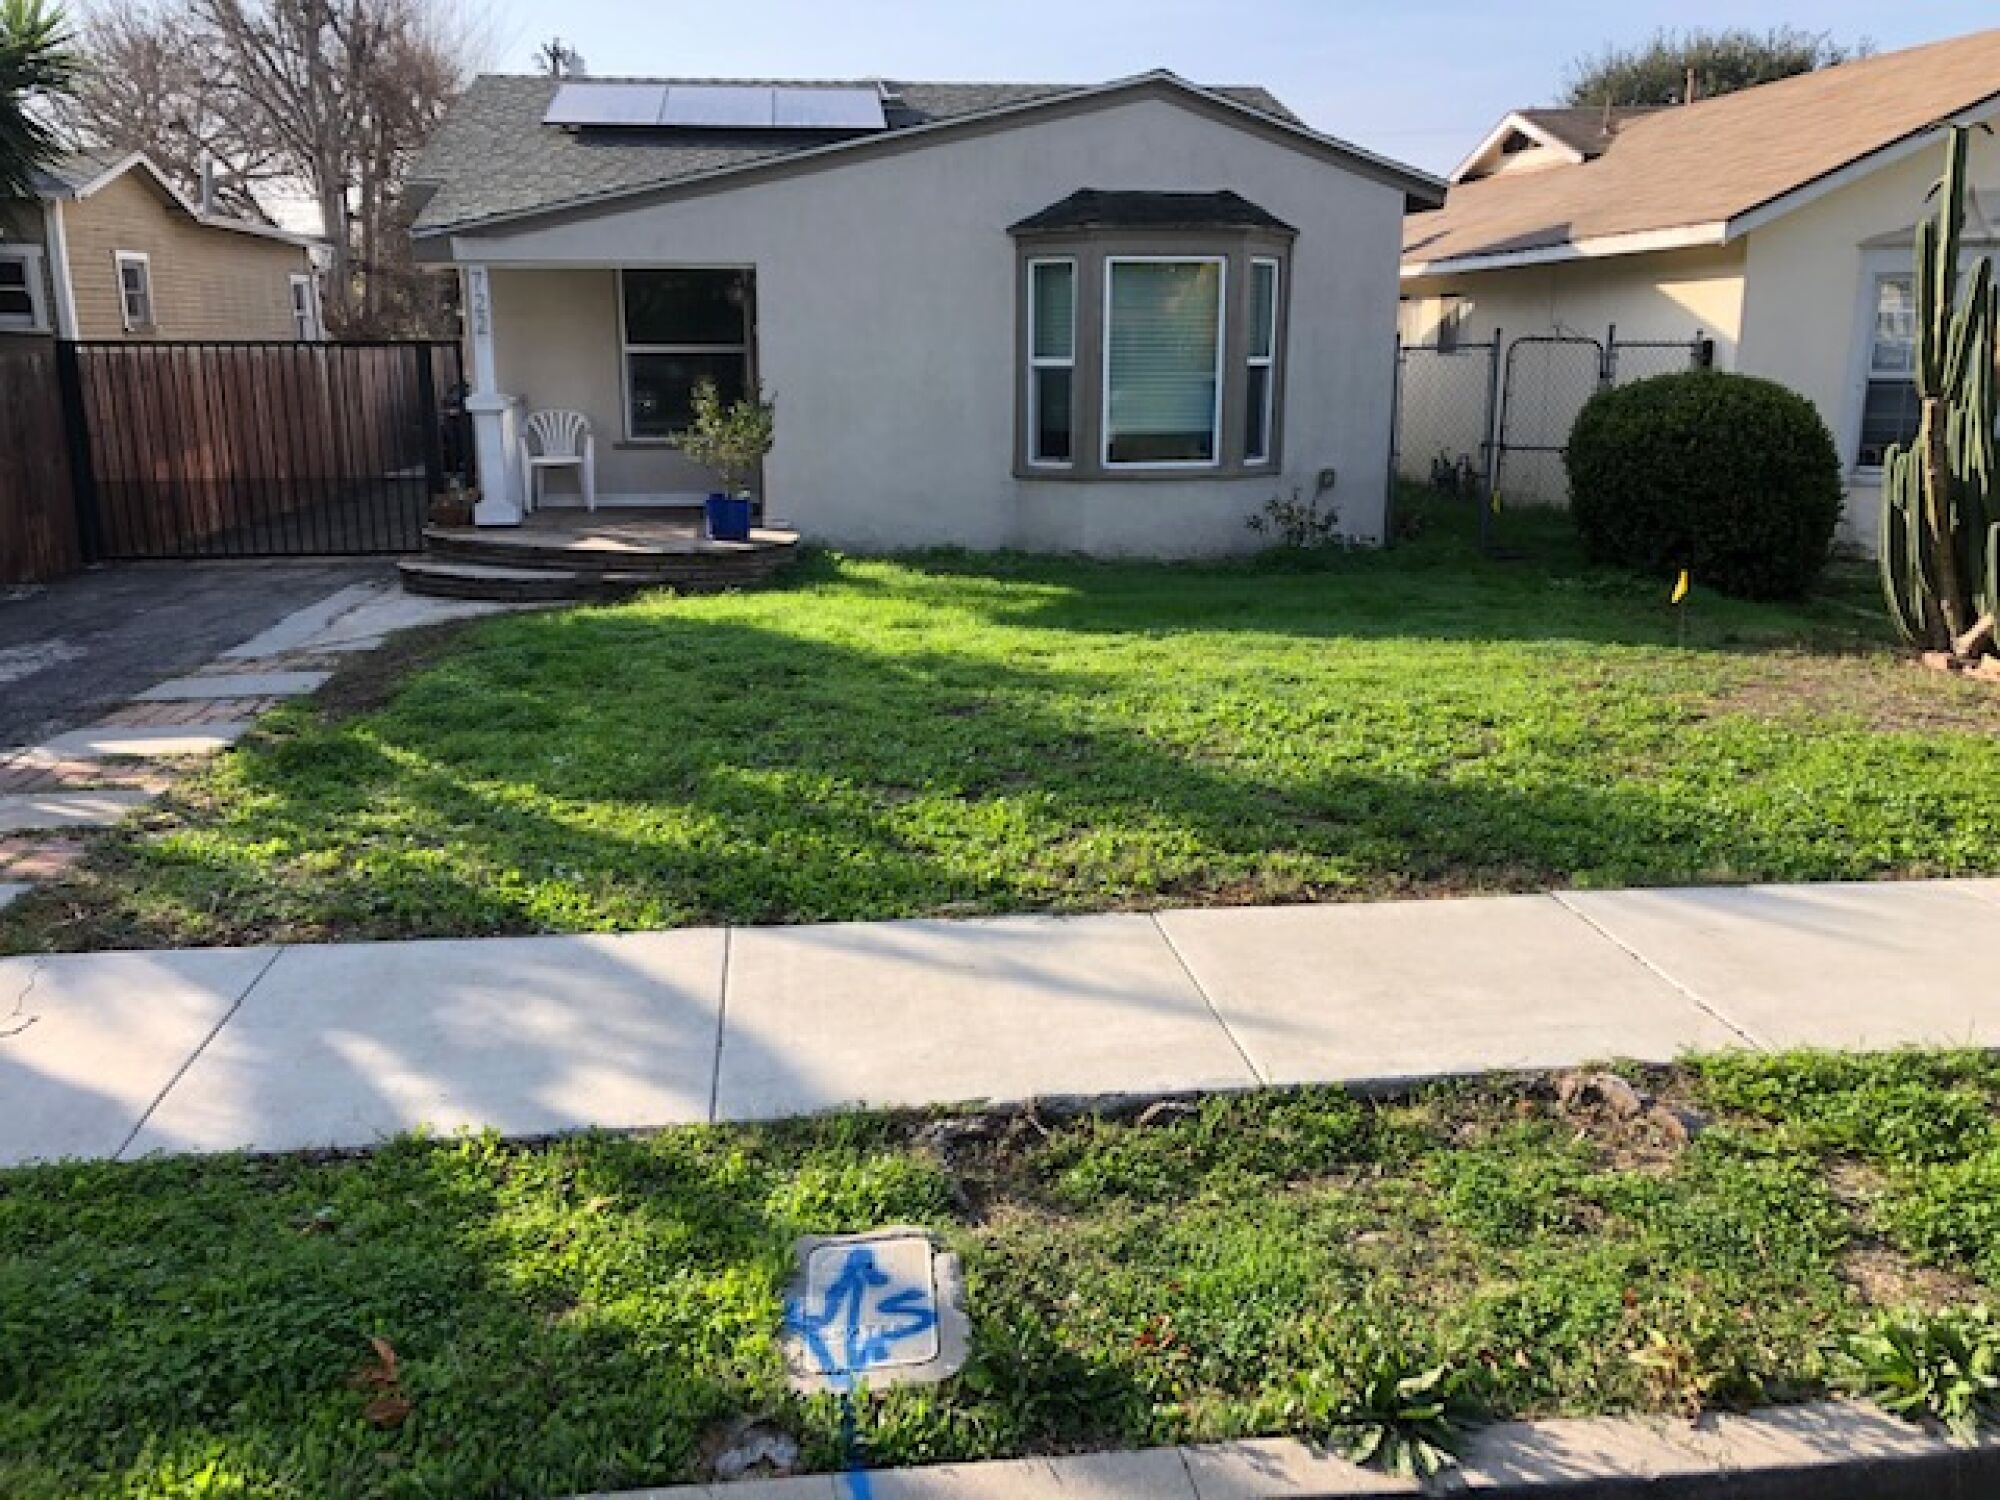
(1830, 1450)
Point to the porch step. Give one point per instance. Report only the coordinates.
(607, 551)
(447, 578)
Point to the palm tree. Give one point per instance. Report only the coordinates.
(35, 61)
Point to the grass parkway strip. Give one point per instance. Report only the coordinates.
(470, 1318)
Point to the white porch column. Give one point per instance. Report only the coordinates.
(495, 415)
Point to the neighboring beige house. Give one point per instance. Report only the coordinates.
(1107, 319)
(110, 249)
(1778, 222)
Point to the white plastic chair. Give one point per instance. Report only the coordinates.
(565, 441)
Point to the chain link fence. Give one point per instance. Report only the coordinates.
(1490, 422)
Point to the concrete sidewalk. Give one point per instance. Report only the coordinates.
(123, 1054)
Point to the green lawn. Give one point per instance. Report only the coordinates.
(977, 734)
(582, 1315)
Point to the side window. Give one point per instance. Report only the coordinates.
(135, 290)
(1051, 361)
(21, 290)
(1889, 413)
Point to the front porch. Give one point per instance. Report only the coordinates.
(569, 554)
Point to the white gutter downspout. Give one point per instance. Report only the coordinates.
(65, 290)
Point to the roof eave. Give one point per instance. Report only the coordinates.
(1419, 188)
(1887, 154)
(1639, 242)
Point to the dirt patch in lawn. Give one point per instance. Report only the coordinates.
(1878, 693)
(368, 680)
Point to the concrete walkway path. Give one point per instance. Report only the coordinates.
(122, 1054)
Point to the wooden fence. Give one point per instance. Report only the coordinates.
(38, 524)
(258, 450)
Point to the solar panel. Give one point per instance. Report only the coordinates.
(716, 106)
(607, 104)
(719, 106)
(828, 109)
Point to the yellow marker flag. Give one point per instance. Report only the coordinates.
(1496, 502)
(1681, 587)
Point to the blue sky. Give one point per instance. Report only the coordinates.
(1419, 79)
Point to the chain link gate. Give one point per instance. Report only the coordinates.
(1490, 422)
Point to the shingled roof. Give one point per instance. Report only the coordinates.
(1702, 167)
(494, 158)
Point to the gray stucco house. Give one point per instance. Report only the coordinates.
(1106, 319)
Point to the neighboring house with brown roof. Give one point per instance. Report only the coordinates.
(110, 249)
(1777, 221)
(1116, 318)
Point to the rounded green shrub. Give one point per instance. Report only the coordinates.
(1731, 477)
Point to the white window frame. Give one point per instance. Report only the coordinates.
(121, 259)
(1216, 432)
(31, 261)
(1037, 363)
(627, 350)
(1267, 362)
(306, 325)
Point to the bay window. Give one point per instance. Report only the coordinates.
(679, 328)
(1051, 361)
(1261, 363)
(1151, 337)
(1162, 360)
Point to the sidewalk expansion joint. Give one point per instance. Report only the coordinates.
(189, 1061)
(1694, 999)
(1200, 989)
(721, 1022)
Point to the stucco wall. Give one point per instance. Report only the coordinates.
(1806, 320)
(1670, 295)
(207, 283)
(886, 331)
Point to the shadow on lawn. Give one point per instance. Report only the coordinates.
(628, 772)
(1418, 593)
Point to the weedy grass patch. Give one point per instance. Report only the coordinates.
(473, 1318)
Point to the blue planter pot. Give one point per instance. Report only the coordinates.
(728, 518)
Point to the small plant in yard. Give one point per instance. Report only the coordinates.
(730, 437)
(1940, 542)
(1381, 1408)
(1941, 1365)
(1297, 522)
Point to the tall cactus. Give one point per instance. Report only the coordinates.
(1940, 542)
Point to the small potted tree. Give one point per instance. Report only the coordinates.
(731, 438)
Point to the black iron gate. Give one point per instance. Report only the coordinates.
(197, 449)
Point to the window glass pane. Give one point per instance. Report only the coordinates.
(662, 388)
(15, 300)
(1162, 336)
(687, 307)
(1257, 414)
(1054, 310)
(1053, 387)
(1889, 416)
(1263, 308)
(1895, 327)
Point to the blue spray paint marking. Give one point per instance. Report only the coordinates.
(845, 1343)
